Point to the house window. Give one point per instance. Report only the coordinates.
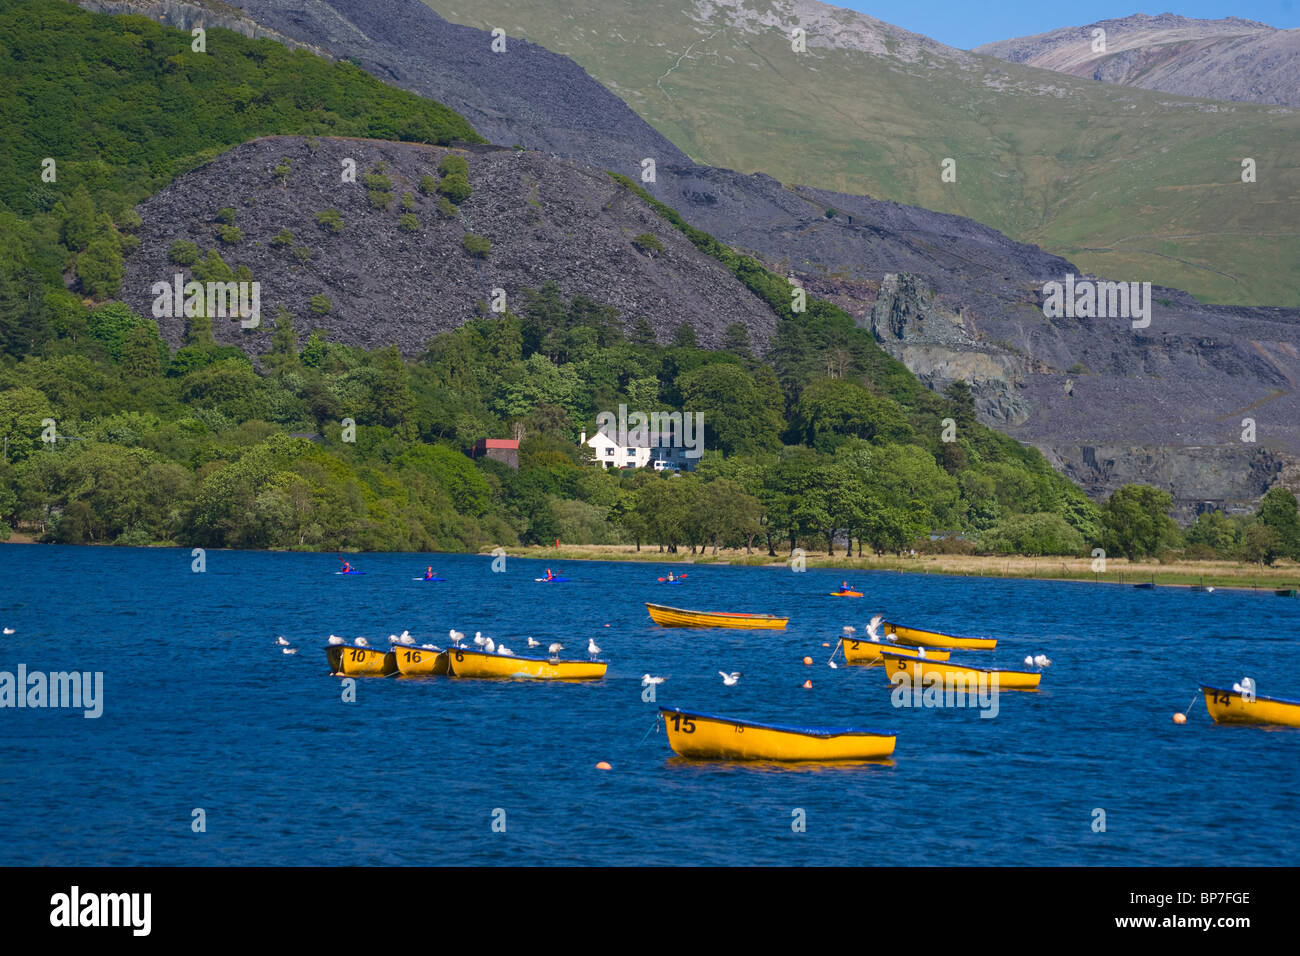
(609, 452)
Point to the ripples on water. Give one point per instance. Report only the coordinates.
(203, 710)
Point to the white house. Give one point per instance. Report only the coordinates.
(610, 454)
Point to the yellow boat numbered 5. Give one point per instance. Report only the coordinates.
(352, 661)
(420, 661)
(463, 662)
(871, 653)
(666, 616)
(710, 737)
(917, 637)
(1233, 707)
(959, 674)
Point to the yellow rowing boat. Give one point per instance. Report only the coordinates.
(666, 616)
(351, 661)
(918, 637)
(960, 674)
(870, 652)
(709, 737)
(420, 661)
(1232, 707)
(463, 662)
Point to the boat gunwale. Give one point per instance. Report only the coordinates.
(923, 630)
(521, 657)
(830, 732)
(968, 667)
(1258, 697)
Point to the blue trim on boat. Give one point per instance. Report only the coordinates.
(787, 728)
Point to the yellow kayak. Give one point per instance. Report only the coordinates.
(666, 616)
(709, 737)
(916, 636)
(960, 674)
(349, 660)
(1230, 707)
(871, 652)
(846, 594)
(463, 662)
(420, 661)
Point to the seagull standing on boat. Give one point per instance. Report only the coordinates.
(478, 639)
(592, 649)
(555, 649)
(729, 680)
(489, 645)
(361, 642)
(456, 636)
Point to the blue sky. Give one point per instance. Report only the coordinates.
(967, 24)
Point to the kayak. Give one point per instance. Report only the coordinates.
(429, 579)
(674, 581)
(554, 580)
(349, 572)
(846, 594)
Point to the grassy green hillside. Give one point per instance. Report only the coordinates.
(1127, 183)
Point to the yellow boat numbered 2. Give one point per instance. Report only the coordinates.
(710, 737)
(1233, 707)
(420, 661)
(919, 638)
(666, 616)
(871, 653)
(962, 675)
(348, 660)
(462, 662)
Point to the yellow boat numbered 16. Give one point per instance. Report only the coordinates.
(963, 674)
(349, 660)
(872, 653)
(666, 616)
(1233, 707)
(710, 737)
(420, 661)
(920, 638)
(462, 662)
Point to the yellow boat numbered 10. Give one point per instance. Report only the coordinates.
(420, 661)
(666, 616)
(710, 737)
(462, 662)
(919, 638)
(962, 674)
(871, 653)
(348, 660)
(1233, 707)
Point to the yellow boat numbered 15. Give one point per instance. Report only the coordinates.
(666, 616)
(964, 674)
(349, 660)
(710, 737)
(1233, 707)
(872, 653)
(420, 661)
(462, 662)
(920, 638)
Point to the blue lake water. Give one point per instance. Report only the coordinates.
(203, 710)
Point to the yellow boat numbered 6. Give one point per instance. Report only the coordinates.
(463, 662)
(1233, 707)
(710, 737)
(420, 661)
(917, 637)
(958, 674)
(352, 661)
(871, 653)
(666, 616)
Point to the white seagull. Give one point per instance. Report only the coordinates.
(1040, 660)
(361, 642)
(478, 639)
(489, 645)
(533, 643)
(592, 649)
(289, 650)
(456, 636)
(9, 630)
(555, 649)
(281, 641)
(335, 639)
(730, 679)
(872, 626)
(647, 680)
(505, 651)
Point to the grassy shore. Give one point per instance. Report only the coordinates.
(1217, 574)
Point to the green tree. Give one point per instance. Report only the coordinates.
(1278, 511)
(1135, 522)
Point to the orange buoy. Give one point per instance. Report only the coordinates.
(807, 685)
(604, 765)
(808, 661)
(1180, 718)
(824, 644)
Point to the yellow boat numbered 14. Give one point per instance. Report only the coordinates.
(666, 616)
(1233, 707)
(349, 660)
(463, 662)
(420, 661)
(710, 737)
(871, 653)
(920, 638)
(963, 674)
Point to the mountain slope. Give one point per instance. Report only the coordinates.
(1127, 183)
(1229, 59)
